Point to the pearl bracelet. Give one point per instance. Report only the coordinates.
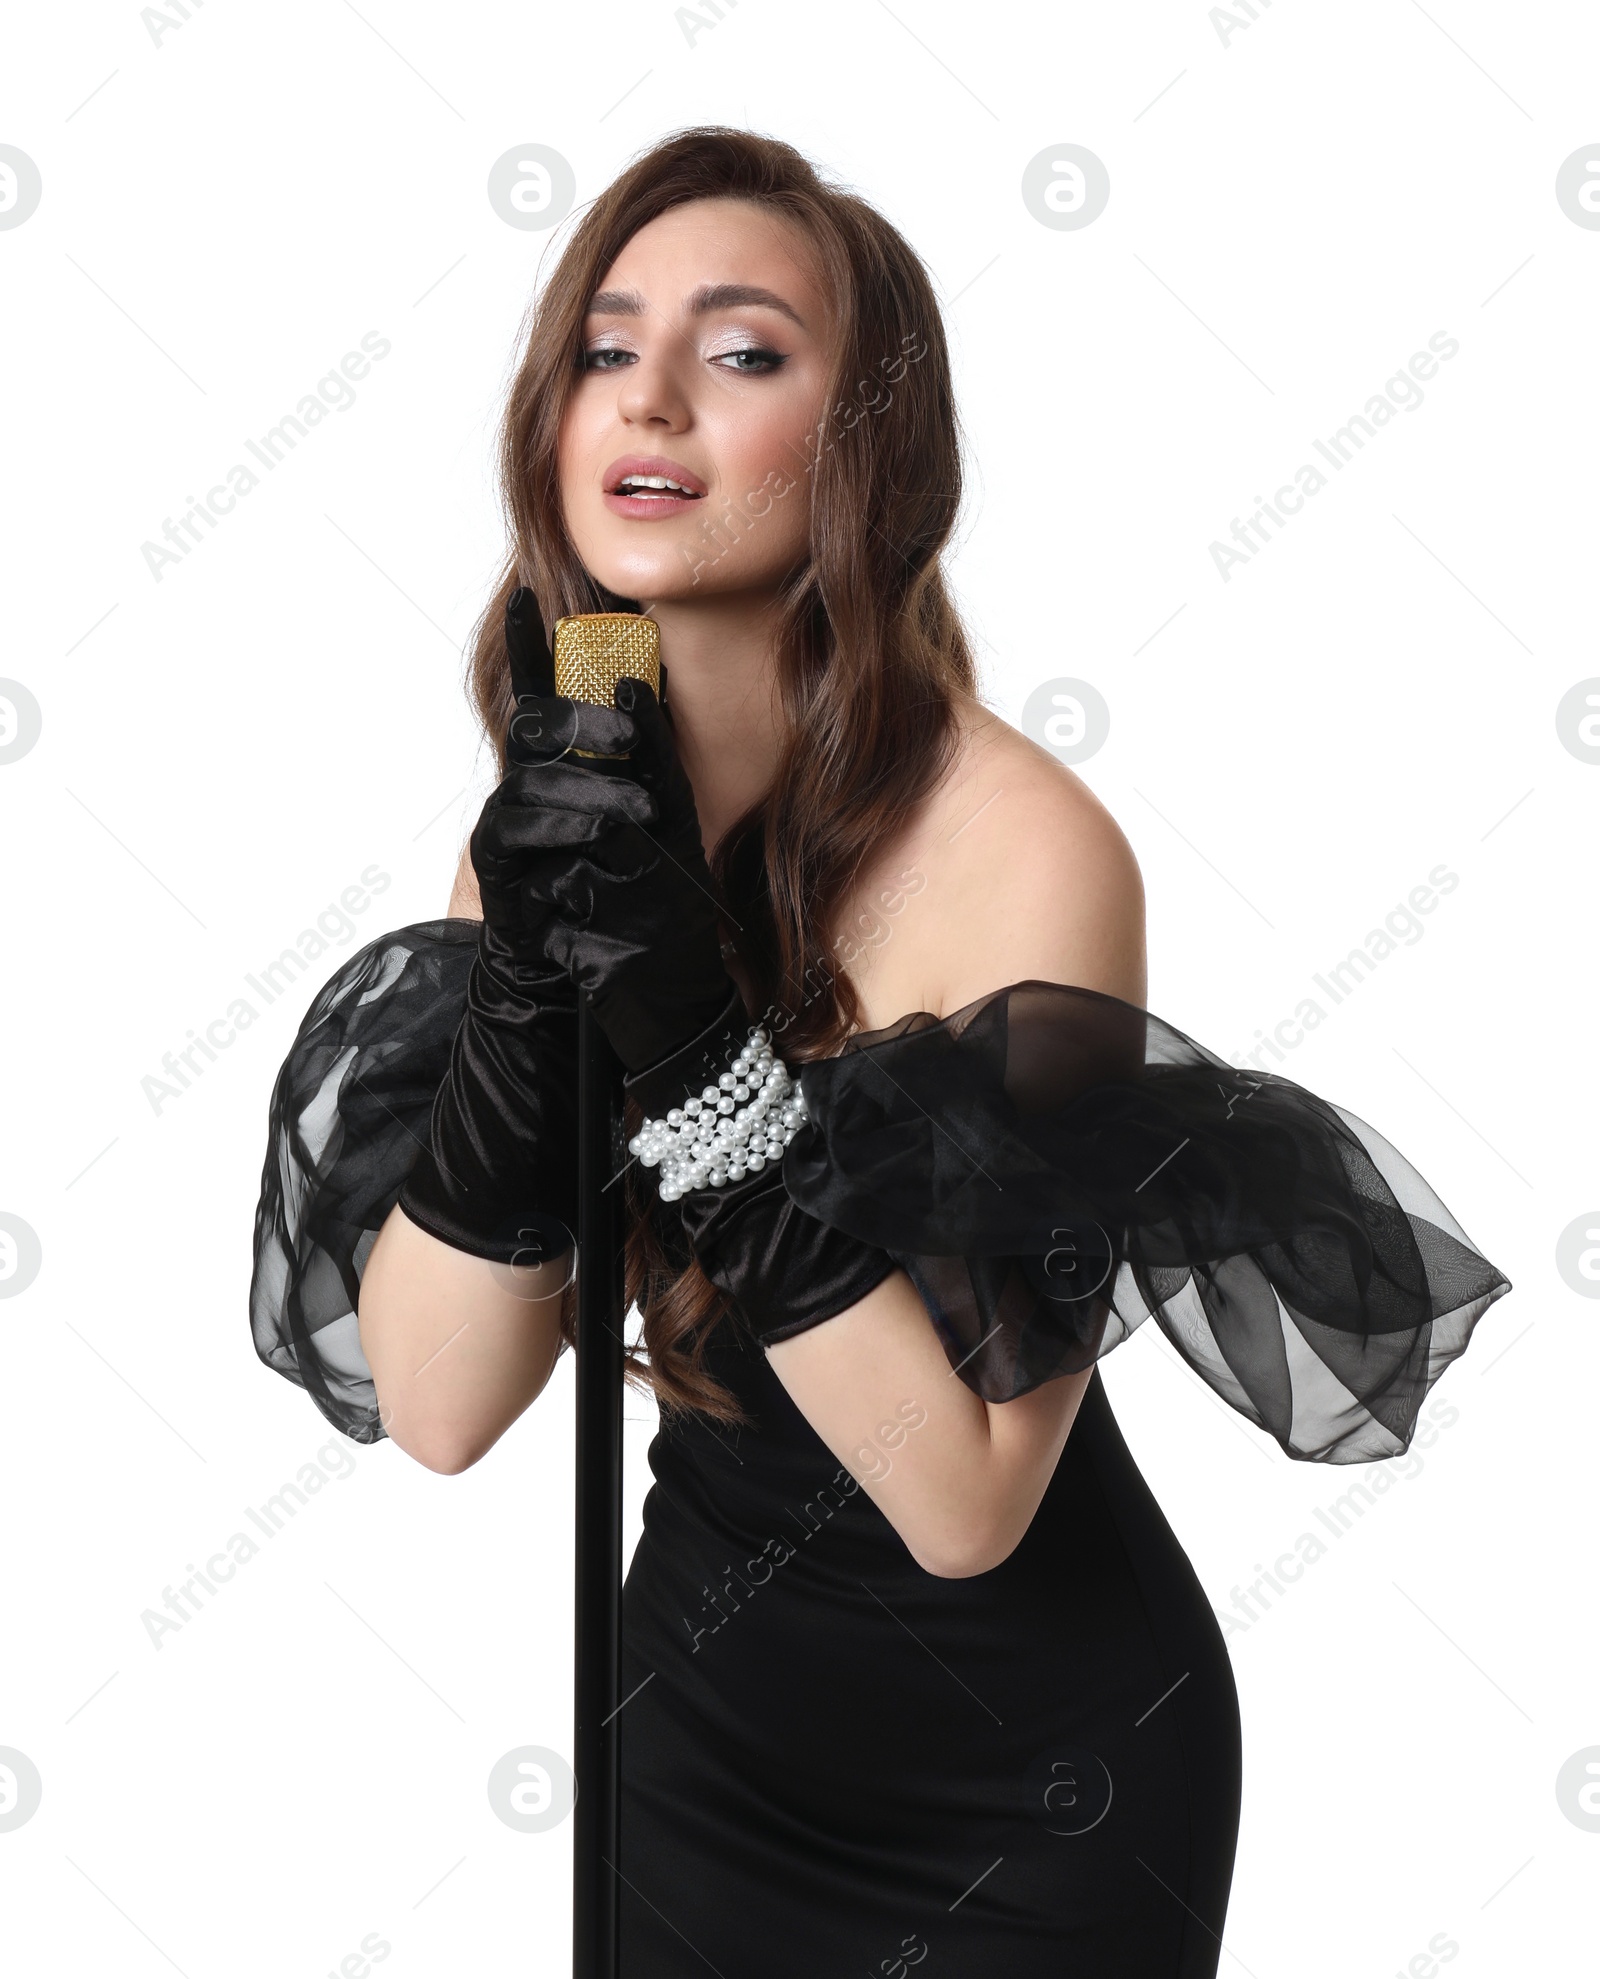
(732, 1129)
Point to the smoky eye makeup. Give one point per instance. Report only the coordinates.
(762, 359)
(598, 357)
(746, 360)
(740, 348)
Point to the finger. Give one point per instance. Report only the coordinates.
(541, 730)
(527, 887)
(650, 751)
(510, 847)
(545, 729)
(528, 651)
(620, 856)
(555, 889)
(573, 786)
(566, 881)
(517, 829)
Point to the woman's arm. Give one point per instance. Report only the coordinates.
(957, 1477)
(1041, 884)
(456, 1353)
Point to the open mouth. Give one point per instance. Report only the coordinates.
(650, 487)
(654, 487)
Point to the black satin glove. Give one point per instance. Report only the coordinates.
(623, 892)
(784, 1269)
(498, 1177)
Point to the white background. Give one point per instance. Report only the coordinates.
(1296, 206)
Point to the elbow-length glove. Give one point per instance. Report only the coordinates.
(498, 1176)
(628, 912)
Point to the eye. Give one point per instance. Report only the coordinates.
(752, 361)
(600, 360)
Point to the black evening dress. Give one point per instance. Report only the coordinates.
(833, 1761)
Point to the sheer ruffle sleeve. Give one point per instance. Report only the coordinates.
(348, 1118)
(1052, 1166)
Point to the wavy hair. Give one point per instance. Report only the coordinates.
(871, 656)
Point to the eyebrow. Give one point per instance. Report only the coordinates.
(711, 296)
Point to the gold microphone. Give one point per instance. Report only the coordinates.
(593, 650)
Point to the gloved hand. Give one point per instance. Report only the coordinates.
(623, 895)
(628, 909)
(498, 1177)
(784, 1269)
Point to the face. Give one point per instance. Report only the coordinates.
(683, 449)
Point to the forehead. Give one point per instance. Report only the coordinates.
(734, 241)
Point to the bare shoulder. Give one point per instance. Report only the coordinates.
(1012, 870)
(465, 902)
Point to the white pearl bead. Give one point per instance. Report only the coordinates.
(731, 1129)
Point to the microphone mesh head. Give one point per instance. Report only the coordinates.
(593, 650)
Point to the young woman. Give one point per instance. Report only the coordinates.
(916, 1669)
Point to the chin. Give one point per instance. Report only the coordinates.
(654, 576)
(665, 576)
(681, 569)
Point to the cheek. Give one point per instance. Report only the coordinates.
(776, 432)
(571, 444)
(576, 445)
(589, 417)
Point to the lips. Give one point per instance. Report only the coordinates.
(646, 486)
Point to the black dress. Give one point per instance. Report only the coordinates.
(832, 1760)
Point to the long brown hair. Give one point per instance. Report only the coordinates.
(871, 655)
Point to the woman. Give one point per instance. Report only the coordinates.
(915, 1668)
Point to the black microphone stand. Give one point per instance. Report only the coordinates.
(597, 1604)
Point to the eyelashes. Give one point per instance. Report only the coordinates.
(762, 360)
(768, 360)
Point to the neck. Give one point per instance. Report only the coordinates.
(722, 677)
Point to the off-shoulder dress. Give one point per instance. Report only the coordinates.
(832, 1760)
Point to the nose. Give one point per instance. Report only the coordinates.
(652, 392)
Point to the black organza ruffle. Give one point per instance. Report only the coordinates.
(1052, 1166)
(349, 1116)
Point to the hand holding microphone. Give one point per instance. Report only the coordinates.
(626, 906)
(498, 1176)
(600, 829)
(534, 818)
